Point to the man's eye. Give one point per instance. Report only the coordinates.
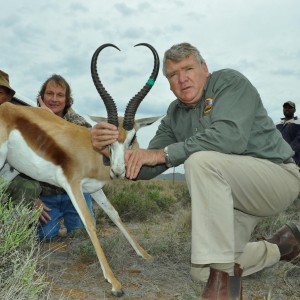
(172, 76)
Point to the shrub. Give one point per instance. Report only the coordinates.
(140, 201)
(19, 252)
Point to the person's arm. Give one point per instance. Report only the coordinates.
(225, 129)
(144, 164)
(103, 134)
(295, 143)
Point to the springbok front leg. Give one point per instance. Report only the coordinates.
(102, 200)
(81, 207)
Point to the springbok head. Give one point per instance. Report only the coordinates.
(127, 126)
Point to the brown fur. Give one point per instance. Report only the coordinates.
(122, 134)
(47, 146)
(61, 142)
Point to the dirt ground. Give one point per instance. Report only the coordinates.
(74, 272)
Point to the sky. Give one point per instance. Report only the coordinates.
(259, 38)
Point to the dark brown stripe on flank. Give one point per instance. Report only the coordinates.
(42, 143)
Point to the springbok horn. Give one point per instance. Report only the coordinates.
(134, 103)
(112, 114)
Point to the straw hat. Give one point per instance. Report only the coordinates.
(4, 81)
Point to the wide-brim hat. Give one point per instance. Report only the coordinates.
(4, 81)
(290, 103)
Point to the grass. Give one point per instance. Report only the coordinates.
(158, 215)
(20, 277)
(140, 201)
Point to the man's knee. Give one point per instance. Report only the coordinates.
(201, 158)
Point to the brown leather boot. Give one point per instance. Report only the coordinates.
(221, 286)
(287, 238)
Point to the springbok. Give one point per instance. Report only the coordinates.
(47, 148)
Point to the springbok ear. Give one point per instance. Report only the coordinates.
(145, 122)
(98, 119)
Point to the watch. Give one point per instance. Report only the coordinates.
(167, 158)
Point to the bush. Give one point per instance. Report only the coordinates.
(140, 201)
(19, 252)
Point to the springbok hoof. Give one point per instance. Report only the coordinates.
(119, 293)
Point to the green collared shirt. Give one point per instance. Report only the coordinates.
(229, 118)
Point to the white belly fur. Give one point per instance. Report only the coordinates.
(21, 157)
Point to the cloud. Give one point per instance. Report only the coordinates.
(258, 38)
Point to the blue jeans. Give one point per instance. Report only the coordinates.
(61, 206)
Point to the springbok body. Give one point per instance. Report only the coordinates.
(47, 148)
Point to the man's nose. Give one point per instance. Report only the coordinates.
(54, 96)
(182, 77)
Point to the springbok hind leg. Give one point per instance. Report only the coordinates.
(88, 221)
(105, 204)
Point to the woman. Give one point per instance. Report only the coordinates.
(55, 96)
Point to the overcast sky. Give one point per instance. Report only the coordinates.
(260, 38)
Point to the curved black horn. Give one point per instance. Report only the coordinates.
(134, 103)
(112, 114)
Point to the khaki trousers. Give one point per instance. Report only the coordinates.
(230, 195)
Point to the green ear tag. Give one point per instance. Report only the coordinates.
(151, 81)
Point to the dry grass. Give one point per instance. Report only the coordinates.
(20, 276)
(73, 272)
(166, 236)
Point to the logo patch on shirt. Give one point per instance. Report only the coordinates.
(208, 105)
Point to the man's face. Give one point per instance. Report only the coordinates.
(288, 111)
(187, 79)
(5, 96)
(55, 97)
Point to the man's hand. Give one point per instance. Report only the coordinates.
(104, 134)
(44, 217)
(135, 159)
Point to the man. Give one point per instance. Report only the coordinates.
(55, 96)
(22, 187)
(238, 169)
(290, 128)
